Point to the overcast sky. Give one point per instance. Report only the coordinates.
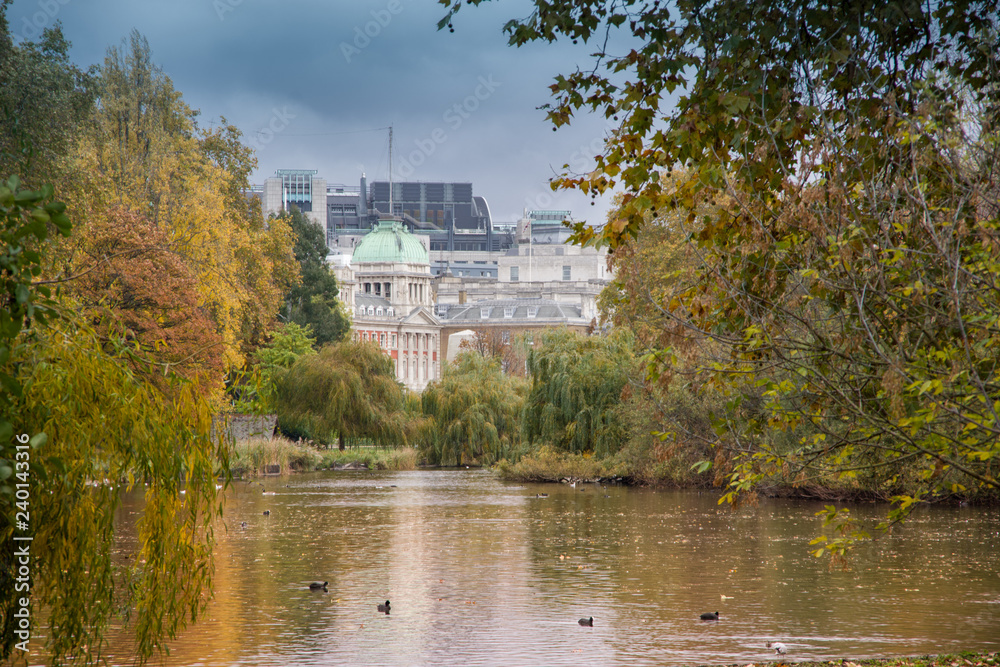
(310, 82)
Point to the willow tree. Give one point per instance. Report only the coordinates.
(77, 425)
(854, 277)
(347, 390)
(473, 413)
(576, 391)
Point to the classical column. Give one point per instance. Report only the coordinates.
(420, 369)
(409, 357)
(436, 350)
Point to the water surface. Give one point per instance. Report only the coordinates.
(482, 572)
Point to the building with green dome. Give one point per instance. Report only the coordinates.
(389, 282)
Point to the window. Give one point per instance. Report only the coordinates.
(484, 313)
(515, 274)
(391, 312)
(394, 340)
(364, 336)
(381, 339)
(368, 288)
(378, 311)
(505, 336)
(371, 310)
(388, 290)
(378, 289)
(532, 311)
(508, 311)
(566, 273)
(442, 310)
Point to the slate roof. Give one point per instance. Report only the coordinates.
(525, 311)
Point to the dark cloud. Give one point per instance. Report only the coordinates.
(309, 83)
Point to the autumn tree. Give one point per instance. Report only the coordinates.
(141, 290)
(346, 391)
(669, 414)
(507, 349)
(76, 424)
(851, 274)
(144, 152)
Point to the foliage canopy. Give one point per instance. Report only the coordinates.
(347, 390)
(474, 412)
(849, 263)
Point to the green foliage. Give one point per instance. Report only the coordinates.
(28, 217)
(107, 429)
(840, 193)
(347, 390)
(43, 101)
(473, 413)
(547, 464)
(97, 425)
(576, 387)
(314, 301)
(253, 390)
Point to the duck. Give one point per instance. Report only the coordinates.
(710, 616)
(384, 608)
(318, 585)
(778, 647)
(267, 512)
(589, 622)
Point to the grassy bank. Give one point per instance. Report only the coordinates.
(646, 466)
(973, 659)
(404, 458)
(254, 456)
(547, 464)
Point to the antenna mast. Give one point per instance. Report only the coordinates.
(390, 172)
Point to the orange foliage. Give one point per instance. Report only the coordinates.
(138, 286)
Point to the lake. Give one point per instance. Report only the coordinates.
(483, 572)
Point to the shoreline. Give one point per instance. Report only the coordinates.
(963, 659)
(255, 456)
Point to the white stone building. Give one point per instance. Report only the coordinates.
(388, 281)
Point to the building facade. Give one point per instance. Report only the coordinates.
(389, 283)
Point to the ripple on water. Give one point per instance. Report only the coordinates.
(484, 573)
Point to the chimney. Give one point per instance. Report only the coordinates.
(461, 296)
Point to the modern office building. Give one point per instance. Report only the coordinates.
(462, 236)
(298, 187)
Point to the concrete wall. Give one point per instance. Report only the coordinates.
(243, 427)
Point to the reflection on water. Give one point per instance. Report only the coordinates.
(484, 573)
